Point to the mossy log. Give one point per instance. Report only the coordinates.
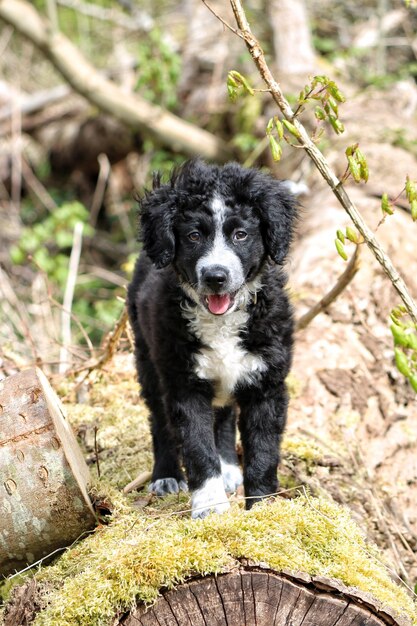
(44, 504)
(246, 597)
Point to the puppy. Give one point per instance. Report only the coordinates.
(213, 329)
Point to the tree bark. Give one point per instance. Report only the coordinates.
(294, 53)
(44, 504)
(264, 598)
(164, 127)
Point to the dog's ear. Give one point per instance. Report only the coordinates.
(157, 210)
(277, 209)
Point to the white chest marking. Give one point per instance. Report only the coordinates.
(222, 359)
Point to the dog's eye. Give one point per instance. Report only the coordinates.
(194, 236)
(240, 235)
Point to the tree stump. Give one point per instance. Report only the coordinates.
(265, 598)
(44, 504)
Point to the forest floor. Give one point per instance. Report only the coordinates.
(352, 427)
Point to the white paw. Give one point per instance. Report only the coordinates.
(211, 497)
(232, 476)
(163, 486)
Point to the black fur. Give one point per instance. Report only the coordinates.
(185, 427)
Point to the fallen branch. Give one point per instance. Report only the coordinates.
(166, 128)
(335, 291)
(138, 482)
(318, 159)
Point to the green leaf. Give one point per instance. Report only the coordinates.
(231, 81)
(401, 362)
(413, 382)
(386, 205)
(354, 169)
(232, 93)
(334, 90)
(363, 165)
(291, 128)
(412, 341)
(336, 124)
(270, 126)
(340, 236)
(341, 249)
(333, 105)
(320, 114)
(352, 234)
(351, 149)
(17, 255)
(276, 149)
(236, 80)
(64, 239)
(399, 334)
(410, 190)
(279, 127)
(413, 206)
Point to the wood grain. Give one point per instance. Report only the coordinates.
(44, 500)
(260, 597)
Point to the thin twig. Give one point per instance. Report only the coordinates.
(102, 179)
(341, 284)
(37, 188)
(229, 26)
(96, 451)
(320, 161)
(69, 294)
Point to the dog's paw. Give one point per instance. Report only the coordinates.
(232, 476)
(164, 486)
(210, 498)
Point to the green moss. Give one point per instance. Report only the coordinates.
(121, 420)
(294, 385)
(152, 543)
(138, 554)
(304, 449)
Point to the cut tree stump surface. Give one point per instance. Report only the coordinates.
(44, 504)
(259, 597)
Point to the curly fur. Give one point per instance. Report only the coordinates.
(196, 367)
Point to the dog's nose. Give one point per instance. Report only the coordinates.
(215, 277)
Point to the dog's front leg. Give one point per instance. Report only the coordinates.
(263, 412)
(192, 416)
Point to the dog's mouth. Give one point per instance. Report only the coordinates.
(218, 304)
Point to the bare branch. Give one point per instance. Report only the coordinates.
(131, 109)
(341, 284)
(320, 161)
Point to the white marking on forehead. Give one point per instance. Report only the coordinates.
(219, 211)
(221, 252)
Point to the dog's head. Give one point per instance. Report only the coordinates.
(217, 226)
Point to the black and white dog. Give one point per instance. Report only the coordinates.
(213, 329)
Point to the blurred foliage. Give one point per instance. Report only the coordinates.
(155, 49)
(47, 244)
(48, 241)
(159, 68)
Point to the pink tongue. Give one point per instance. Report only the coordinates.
(218, 304)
